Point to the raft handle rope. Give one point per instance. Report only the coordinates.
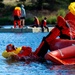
(61, 52)
(69, 29)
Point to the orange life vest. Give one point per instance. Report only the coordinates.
(17, 12)
(44, 22)
(36, 21)
(25, 51)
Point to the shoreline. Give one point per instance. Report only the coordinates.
(26, 29)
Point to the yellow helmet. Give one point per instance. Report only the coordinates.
(71, 7)
(17, 8)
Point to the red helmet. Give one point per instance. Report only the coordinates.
(9, 47)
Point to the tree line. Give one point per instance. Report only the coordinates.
(42, 4)
(32, 5)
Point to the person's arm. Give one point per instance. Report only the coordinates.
(52, 35)
(25, 12)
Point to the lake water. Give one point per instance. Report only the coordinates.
(33, 68)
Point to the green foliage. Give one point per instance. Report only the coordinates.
(29, 21)
(61, 12)
(40, 18)
(52, 20)
(5, 21)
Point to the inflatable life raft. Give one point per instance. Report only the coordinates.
(64, 53)
(6, 54)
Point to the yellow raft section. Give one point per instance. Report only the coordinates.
(6, 54)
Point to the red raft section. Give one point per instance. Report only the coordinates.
(61, 43)
(64, 54)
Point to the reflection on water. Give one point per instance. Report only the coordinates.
(33, 68)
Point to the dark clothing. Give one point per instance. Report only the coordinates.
(35, 25)
(16, 18)
(43, 49)
(22, 17)
(44, 25)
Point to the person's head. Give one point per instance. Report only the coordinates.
(22, 6)
(10, 47)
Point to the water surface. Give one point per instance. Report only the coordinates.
(33, 68)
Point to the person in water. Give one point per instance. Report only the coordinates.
(25, 50)
(24, 54)
(10, 48)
